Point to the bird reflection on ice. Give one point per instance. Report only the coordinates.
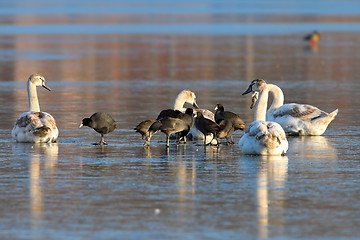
(271, 176)
(313, 147)
(39, 155)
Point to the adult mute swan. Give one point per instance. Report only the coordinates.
(262, 137)
(35, 126)
(297, 119)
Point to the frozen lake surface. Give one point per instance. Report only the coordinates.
(131, 61)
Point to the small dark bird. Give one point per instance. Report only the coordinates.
(206, 126)
(170, 125)
(225, 131)
(150, 127)
(221, 114)
(313, 38)
(143, 128)
(233, 118)
(101, 122)
(188, 118)
(168, 113)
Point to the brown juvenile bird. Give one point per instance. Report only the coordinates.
(101, 122)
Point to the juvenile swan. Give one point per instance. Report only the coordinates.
(35, 126)
(297, 119)
(185, 96)
(262, 137)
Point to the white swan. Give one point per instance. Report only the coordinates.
(262, 137)
(297, 119)
(185, 96)
(35, 126)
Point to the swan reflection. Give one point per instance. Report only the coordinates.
(313, 147)
(271, 176)
(40, 156)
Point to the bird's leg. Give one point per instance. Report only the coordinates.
(217, 141)
(167, 141)
(181, 138)
(102, 142)
(147, 142)
(147, 139)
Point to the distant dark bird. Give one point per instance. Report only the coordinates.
(101, 122)
(233, 118)
(206, 126)
(313, 38)
(170, 125)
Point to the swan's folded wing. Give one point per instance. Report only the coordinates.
(29, 119)
(47, 120)
(302, 111)
(257, 128)
(206, 113)
(277, 131)
(260, 129)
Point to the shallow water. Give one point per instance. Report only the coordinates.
(131, 61)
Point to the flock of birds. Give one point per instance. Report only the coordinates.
(266, 135)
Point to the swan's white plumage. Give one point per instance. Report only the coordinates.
(297, 119)
(262, 137)
(35, 126)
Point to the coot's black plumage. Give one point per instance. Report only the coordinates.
(206, 126)
(221, 114)
(168, 113)
(226, 130)
(101, 122)
(169, 125)
(143, 128)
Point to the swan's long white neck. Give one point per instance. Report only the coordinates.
(260, 106)
(278, 96)
(179, 102)
(32, 97)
